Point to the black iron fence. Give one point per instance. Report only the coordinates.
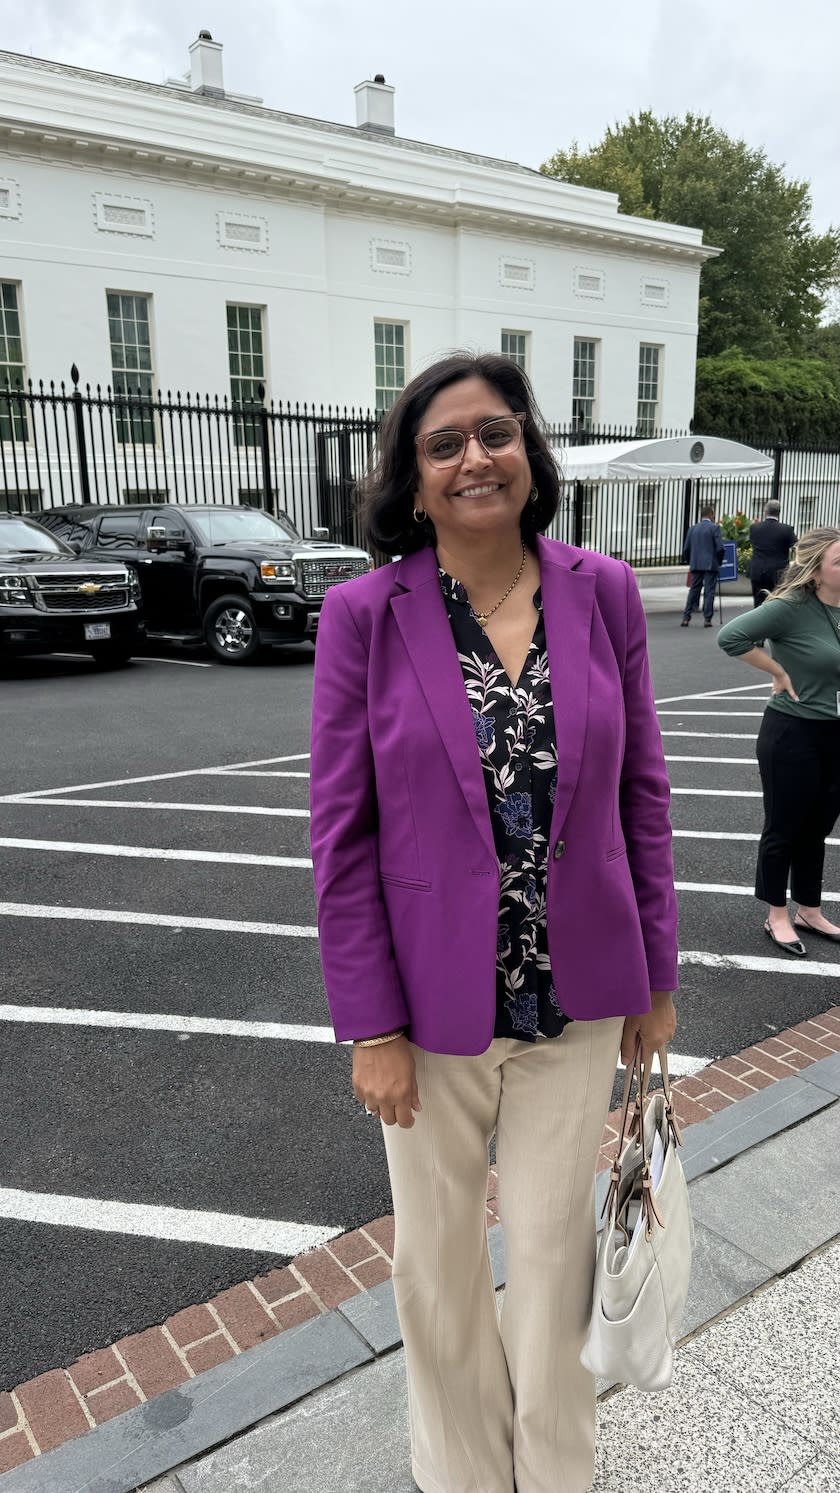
(61, 444)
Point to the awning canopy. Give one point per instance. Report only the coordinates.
(646, 460)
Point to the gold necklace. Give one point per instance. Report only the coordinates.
(482, 618)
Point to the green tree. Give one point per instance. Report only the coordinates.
(780, 399)
(765, 292)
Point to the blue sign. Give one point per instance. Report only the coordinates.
(729, 568)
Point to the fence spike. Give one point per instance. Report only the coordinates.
(74, 374)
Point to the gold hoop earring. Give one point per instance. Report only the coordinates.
(419, 515)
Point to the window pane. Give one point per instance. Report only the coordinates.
(13, 417)
(583, 383)
(647, 410)
(131, 368)
(389, 361)
(246, 365)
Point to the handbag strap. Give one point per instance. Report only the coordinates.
(633, 1109)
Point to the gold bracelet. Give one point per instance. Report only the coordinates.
(377, 1041)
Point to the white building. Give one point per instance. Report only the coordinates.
(176, 236)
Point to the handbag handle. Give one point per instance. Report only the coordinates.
(633, 1120)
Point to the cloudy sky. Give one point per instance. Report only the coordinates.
(506, 79)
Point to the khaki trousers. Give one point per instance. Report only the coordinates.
(492, 1401)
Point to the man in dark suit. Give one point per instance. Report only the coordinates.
(703, 553)
(772, 543)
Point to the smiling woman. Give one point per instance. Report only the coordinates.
(496, 908)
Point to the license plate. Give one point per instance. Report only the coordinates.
(95, 630)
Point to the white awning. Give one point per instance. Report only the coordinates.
(645, 461)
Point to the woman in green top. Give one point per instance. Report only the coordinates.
(798, 745)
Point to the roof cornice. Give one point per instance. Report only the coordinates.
(95, 121)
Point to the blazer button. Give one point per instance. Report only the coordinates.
(559, 849)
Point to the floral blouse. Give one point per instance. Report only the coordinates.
(514, 728)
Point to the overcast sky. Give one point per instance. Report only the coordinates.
(517, 80)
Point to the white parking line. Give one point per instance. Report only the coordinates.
(155, 777)
(184, 663)
(713, 735)
(141, 803)
(722, 888)
(230, 772)
(680, 1064)
(187, 1226)
(722, 835)
(780, 964)
(713, 694)
(150, 919)
(724, 761)
(716, 792)
(727, 715)
(141, 1021)
(153, 853)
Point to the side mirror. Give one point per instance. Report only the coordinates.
(75, 545)
(320, 533)
(159, 538)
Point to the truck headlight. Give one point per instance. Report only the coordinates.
(277, 570)
(14, 591)
(133, 583)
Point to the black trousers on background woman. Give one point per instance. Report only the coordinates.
(799, 761)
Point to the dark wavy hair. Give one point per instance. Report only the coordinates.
(386, 493)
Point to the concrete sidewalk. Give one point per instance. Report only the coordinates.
(754, 1408)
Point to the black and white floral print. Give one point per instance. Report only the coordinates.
(514, 730)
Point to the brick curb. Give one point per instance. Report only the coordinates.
(63, 1403)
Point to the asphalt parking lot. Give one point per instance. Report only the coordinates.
(174, 1116)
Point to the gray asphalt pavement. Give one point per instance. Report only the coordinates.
(249, 1126)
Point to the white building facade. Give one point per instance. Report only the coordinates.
(176, 237)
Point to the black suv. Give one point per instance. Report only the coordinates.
(51, 600)
(231, 576)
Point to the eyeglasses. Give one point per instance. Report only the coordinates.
(499, 437)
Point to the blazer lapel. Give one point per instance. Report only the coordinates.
(568, 597)
(420, 614)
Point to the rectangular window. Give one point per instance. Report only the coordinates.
(647, 407)
(246, 359)
(515, 346)
(807, 512)
(13, 423)
(587, 508)
(583, 384)
(389, 350)
(131, 365)
(645, 514)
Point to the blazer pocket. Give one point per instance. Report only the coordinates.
(407, 881)
(616, 853)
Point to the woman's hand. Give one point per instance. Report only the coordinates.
(656, 1027)
(782, 685)
(385, 1081)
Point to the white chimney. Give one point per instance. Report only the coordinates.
(375, 106)
(206, 66)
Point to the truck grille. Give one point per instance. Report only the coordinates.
(61, 593)
(70, 601)
(318, 576)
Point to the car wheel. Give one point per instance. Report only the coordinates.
(230, 629)
(111, 655)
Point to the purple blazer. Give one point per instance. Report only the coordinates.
(405, 866)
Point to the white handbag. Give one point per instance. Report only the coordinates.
(643, 1265)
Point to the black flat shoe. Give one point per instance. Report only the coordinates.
(820, 932)
(795, 947)
(707, 624)
(685, 622)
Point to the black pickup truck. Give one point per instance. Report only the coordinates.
(51, 600)
(231, 576)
